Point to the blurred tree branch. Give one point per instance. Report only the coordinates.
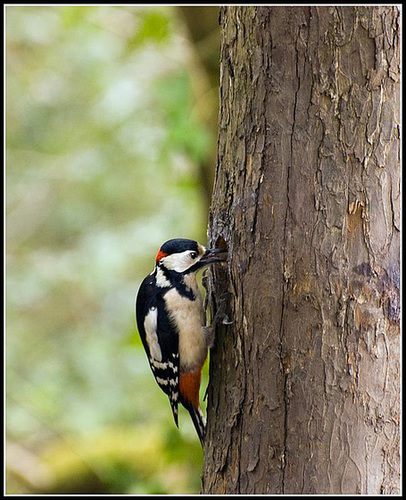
(204, 34)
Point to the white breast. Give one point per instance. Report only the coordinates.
(188, 316)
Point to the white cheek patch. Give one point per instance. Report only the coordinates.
(179, 262)
(150, 326)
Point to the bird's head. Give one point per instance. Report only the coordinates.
(186, 256)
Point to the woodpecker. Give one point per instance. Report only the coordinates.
(171, 323)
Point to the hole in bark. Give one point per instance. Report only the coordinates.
(221, 243)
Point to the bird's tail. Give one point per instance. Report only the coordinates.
(174, 408)
(198, 421)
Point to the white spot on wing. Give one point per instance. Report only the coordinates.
(150, 325)
(161, 381)
(157, 364)
(173, 367)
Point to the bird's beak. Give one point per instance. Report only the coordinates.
(213, 255)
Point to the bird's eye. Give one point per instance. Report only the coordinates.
(193, 255)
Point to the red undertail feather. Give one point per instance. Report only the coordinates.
(189, 385)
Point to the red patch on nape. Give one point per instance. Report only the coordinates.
(160, 255)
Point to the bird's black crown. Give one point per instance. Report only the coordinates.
(178, 245)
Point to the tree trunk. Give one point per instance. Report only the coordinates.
(304, 390)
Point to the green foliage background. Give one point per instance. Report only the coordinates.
(103, 164)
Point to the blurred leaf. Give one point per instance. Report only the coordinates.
(154, 26)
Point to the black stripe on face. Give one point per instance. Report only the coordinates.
(176, 281)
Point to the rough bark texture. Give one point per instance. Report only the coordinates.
(304, 385)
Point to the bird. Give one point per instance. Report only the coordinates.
(171, 323)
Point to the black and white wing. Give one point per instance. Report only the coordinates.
(160, 339)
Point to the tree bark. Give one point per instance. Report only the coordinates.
(304, 392)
